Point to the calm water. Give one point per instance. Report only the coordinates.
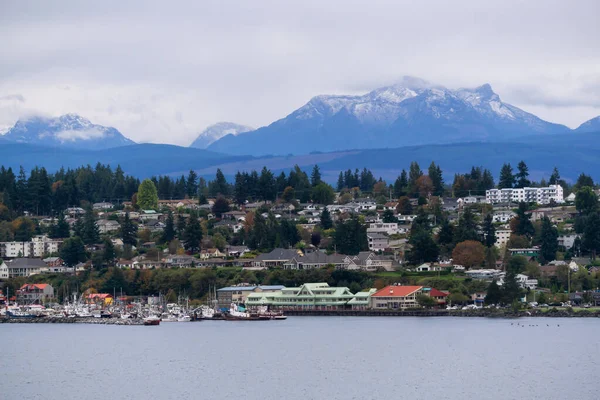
(305, 358)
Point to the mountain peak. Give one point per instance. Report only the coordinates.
(216, 131)
(69, 130)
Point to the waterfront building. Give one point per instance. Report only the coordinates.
(34, 293)
(396, 297)
(310, 296)
(239, 294)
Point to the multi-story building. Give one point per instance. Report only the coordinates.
(34, 293)
(528, 195)
(396, 297)
(239, 294)
(378, 241)
(25, 267)
(502, 237)
(310, 296)
(37, 247)
(389, 228)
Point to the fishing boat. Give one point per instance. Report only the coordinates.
(166, 317)
(239, 313)
(184, 318)
(151, 320)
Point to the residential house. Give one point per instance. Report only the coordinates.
(236, 251)
(107, 226)
(390, 228)
(102, 206)
(275, 258)
(53, 261)
(104, 299)
(74, 212)
(234, 215)
(378, 242)
(35, 293)
(211, 253)
(315, 259)
(154, 225)
(368, 261)
(437, 295)
(25, 267)
(530, 252)
(396, 297)
(567, 241)
(3, 270)
(181, 261)
(503, 216)
(233, 226)
(148, 215)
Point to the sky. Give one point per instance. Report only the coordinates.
(161, 72)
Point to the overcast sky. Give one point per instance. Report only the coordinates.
(163, 71)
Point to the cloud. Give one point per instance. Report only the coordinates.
(163, 72)
(85, 134)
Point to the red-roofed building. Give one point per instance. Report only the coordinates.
(100, 298)
(396, 297)
(34, 293)
(438, 295)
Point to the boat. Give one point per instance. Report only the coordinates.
(105, 314)
(239, 313)
(151, 320)
(263, 311)
(19, 314)
(184, 318)
(166, 317)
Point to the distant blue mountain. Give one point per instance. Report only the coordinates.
(409, 113)
(69, 130)
(572, 157)
(593, 125)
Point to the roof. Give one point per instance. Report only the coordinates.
(279, 254)
(437, 293)
(397, 291)
(237, 288)
(27, 263)
(30, 286)
(99, 296)
(271, 287)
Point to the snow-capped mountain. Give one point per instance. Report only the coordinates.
(69, 130)
(411, 112)
(216, 132)
(593, 125)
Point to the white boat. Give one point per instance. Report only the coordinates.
(152, 320)
(207, 312)
(165, 317)
(184, 318)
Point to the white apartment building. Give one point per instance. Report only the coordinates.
(37, 247)
(528, 195)
(378, 241)
(390, 228)
(502, 237)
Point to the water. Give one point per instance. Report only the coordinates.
(305, 358)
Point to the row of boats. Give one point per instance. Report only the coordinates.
(234, 313)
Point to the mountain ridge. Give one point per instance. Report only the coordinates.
(411, 112)
(69, 131)
(216, 131)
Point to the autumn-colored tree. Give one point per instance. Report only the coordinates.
(380, 189)
(469, 253)
(404, 207)
(424, 186)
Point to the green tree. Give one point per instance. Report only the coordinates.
(315, 176)
(424, 248)
(289, 194)
(549, 241)
(522, 175)
(426, 301)
(23, 228)
(586, 201)
(322, 193)
(326, 222)
(351, 237)
(219, 186)
(181, 225)
(61, 228)
(72, 251)
(128, 231)
(507, 179)
(516, 264)
(193, 235)
(414, 174)
(511, 291)
(555, 177)
(220, 207)
(388, 217)
(591, 234)
(489, 231)
(401, 185)
(109, 255)
(522, 225)
(147, 196)
(168, 233)
(435, 174)
(446, 233)
(467, 227)
(192, 184)
(91, 233)
(404, 207)
(494, 294)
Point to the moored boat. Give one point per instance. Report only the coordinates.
(152, 320)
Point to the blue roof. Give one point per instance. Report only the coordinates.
(272, 287)
(236, 288)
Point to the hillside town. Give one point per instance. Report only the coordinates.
(383, 245)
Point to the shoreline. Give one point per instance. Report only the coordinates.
(504, 314)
